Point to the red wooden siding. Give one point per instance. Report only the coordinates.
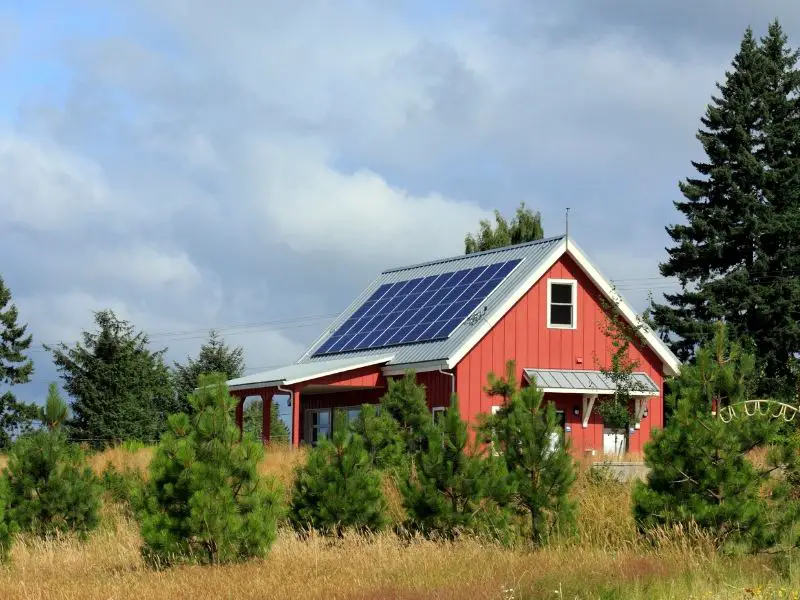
(366, 376)
(522, 335)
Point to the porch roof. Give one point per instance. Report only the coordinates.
(300, 372)
(569, 381)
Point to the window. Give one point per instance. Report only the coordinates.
(561, 301)
(439, 413)
(557, 437)
(318, 425)
(351, 412)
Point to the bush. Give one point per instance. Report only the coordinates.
(452, 492)
(204, 501)
(124, 487)
(50, 487)
(338, 488)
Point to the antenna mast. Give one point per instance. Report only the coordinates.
(566, 219)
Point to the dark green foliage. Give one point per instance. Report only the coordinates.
(526, 226)
(254, 419)
(699, 473)
(124, 487)
(381, 435)
(51, 488)
(215, 356)
(7, 527)
(120, 389)
(737, 257)
(542, 472)
(338, 488)
(204, 501)
(451, 491)
(405, 401)
(15, 368)
(55, 410)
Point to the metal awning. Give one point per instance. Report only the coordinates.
(298, 373)
(567, 381)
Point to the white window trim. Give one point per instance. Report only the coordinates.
(435, 410)
(574, 284)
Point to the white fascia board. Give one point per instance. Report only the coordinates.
(255, 386)
(334, 371)
(420, 367)
(500, 311)
(672, 365)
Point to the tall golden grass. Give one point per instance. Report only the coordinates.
(605, 560)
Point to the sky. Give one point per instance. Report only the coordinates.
(251, 166)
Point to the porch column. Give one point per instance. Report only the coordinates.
(266, 413)
(295, 418)
(239, 412)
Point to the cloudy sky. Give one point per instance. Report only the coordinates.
(251, 165)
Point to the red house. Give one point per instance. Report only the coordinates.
(454, 321)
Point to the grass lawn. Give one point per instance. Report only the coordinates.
(605, 560)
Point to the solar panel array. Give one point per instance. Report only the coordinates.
(417, 310)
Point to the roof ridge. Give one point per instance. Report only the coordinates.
(458, 257)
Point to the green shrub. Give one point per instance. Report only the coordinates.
(204, 501)
(338, 488)
(452, 492)
(50, 487)
(381, 436)
(124, 487)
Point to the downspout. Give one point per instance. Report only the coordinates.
(291, 399)
(452, 377)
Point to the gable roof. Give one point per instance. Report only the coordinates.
(536, 259)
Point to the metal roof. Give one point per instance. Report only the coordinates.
(533, 254)
(586, 382)
(297, 373)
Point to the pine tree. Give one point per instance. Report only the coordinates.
(736, 259)
(405, 401)
(338, 488)
(120, 389)
(526, 226)
(15, 369)
(542, 473)
(205, 501)
(215, 356)
(55, 410)
(51, 489)
(381, 435)
(253, 422)
(452, 491)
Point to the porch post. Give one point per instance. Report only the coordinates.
(239, 412)
(295, 418)
(266, 413)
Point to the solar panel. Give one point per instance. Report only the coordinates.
(416, 310)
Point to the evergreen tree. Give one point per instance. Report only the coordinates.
(204, 501)
(215, 356)
(452, 491)
(405, 401)
(15, 369)
(253, 422)
(541, 472)
(55, 410)
(737, 256)
(50, 487)
(7, 527)
(120, 389)
(338, 488)
(381, 435)
(526, 226)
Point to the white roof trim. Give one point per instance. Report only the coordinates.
(669, 360)
(368, 362)
(420, 367)
(587, 391)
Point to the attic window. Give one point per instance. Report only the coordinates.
(561, 303)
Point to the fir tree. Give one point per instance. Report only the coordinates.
(737, 256)
(7, 527)
(381, 435)
(204, 501)
(254, 422)
(120, 389)
(215, 356)
(542, 473)
(51, 489)
(452, 491)
(338, 488)
(526, 226)
(15, 369)
(405, 401)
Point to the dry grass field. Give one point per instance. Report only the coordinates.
(605, 560)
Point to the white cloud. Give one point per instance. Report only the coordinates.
(147, 266)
